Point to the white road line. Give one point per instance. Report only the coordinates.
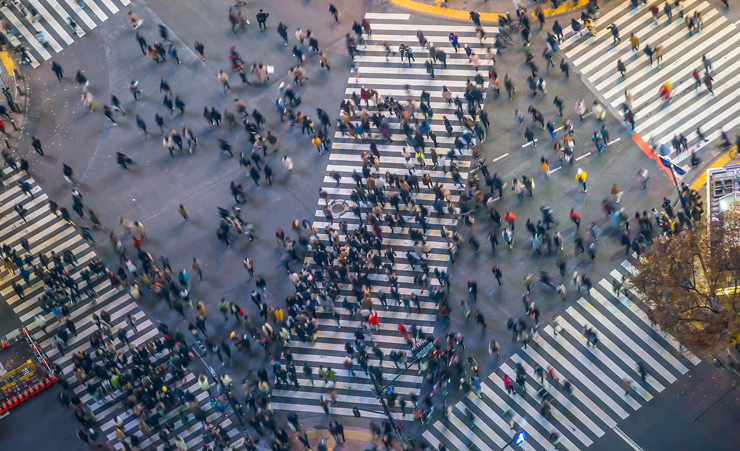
(629, 441)
(583, 156)
(52, 21)
(639, 333)
(80, 12)
(111, 7)
(31, 39)
(386, 16)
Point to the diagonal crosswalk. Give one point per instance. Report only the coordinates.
(45, 233)
(393, 79)
(51, 18)
(597, 374)
(595, 57)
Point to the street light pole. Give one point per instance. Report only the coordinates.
(669, 164)
(519, 437)
(229, 397)
(380, 391)
(379, 394)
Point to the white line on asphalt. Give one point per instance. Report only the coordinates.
(629, 441)
(530, 143)
(583, 156)
(387, 16)
(500, 157)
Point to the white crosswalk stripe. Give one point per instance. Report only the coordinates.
(52, 20)
(45, 233)
(597, 375)
(394, 79)
(595, 57)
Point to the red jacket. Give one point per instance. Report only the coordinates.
(402, 329)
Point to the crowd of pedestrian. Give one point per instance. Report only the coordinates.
(330, 266)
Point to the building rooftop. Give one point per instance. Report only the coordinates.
(723, 188)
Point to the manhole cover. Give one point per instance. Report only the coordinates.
(339, 207)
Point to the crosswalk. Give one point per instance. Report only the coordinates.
(394, 79)
(597, 374)
(47, 232)
(595, 57)
(52, 21)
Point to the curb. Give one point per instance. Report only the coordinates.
(489, 18)
(19, 87)
(352, 434)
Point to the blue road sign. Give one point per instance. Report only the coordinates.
(520, 437)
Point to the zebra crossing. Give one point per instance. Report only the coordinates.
(597, 374)
(46, 232)
(31, 22)
(595, 57)
(394, 79)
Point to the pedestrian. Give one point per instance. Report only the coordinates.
(634, 42)
(598, 141)
(334, 12)
(581, 176)
(649, 52)
(108, 112)
(197, 268)
(575, 217)
(223, 78)
(621, 67)
(454, 40)
(529, 137)
(183, 212)
(262, 19)
(497, 273)
(708, 82)
(616, 192)
(82, 80)
(288, 163)
(225, 147)
(658, 51)
(36, 144)
(200, 49)
(493, 346)
(68, 174)
(58, 71)
(480, 319)
(642, 177)
(642, 370)
(508, 384)
(116, 105)
(558, 102)
(268, 173)
(580, 109)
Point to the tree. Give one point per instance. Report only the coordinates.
(691, 281)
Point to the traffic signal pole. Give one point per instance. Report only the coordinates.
(425, 349)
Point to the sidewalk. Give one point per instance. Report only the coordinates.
(356, 440)
(489, 10)
(15, 89)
